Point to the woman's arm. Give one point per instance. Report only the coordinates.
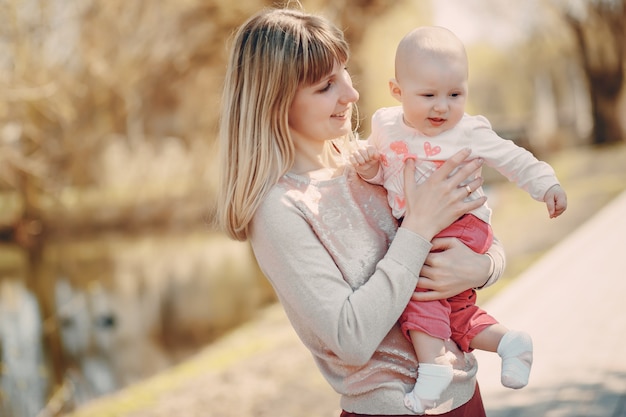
(452, 268)
(324, 309)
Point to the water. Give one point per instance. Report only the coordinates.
(83, 318)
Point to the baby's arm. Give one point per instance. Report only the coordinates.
(366, 161)
(556, 201)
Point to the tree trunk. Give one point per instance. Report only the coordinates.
(600, 36)
(607, 126)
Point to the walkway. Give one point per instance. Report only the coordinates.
(579, 337)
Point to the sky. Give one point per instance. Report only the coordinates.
(497, 21)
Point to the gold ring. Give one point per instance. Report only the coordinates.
(469, 190)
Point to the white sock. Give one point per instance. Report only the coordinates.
(516, 351)
(431, 381)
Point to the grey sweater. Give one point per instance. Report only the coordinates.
(344, 272)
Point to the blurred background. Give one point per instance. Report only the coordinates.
(109, 269)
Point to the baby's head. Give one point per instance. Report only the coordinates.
(431, 71)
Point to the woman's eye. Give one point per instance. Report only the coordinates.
(326, 87)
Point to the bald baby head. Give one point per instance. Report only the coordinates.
(429, 43)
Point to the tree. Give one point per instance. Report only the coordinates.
(82, 81)
(599, 30)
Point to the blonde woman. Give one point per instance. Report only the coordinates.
(327, 240)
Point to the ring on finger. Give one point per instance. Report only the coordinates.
(469, 190)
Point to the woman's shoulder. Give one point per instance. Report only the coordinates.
(276, 198)
(276, 212)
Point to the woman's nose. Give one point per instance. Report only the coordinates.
(349, 93)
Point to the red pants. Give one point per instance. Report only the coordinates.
(473, 408)
(457, 318)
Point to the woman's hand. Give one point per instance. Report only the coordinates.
(450, 269)
(438, 201)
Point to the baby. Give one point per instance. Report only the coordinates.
(431, 77)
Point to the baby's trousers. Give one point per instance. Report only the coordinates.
(457, 318)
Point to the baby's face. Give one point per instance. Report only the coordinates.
(433, 94)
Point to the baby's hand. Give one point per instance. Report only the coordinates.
(366, 161)
(556, 201)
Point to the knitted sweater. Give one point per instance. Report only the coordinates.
(344, 272)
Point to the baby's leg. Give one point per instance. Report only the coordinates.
(434, 372)
(514, 347)
(489, 338)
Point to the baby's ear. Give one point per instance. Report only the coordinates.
(395, 90)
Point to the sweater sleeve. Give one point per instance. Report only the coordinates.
(496, 253)
(514, 162)
(326, 312)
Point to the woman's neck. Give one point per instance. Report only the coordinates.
(320, 164)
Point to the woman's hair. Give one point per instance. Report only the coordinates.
(273, 54)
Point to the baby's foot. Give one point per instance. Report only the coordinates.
(415, 404)
(516, 351)
(432, 380)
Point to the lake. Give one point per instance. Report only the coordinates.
(86, 317)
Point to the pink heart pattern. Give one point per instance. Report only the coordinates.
(431, 150)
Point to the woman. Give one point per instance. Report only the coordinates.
(327, 241)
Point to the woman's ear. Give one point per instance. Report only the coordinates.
(395, 90)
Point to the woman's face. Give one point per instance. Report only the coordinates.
(322, 111)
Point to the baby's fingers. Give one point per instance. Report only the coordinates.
(363, 155)
(550, 204)
(370, 152)
(560, 204)
(556, 201)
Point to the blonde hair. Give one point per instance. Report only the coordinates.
(273, 54)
